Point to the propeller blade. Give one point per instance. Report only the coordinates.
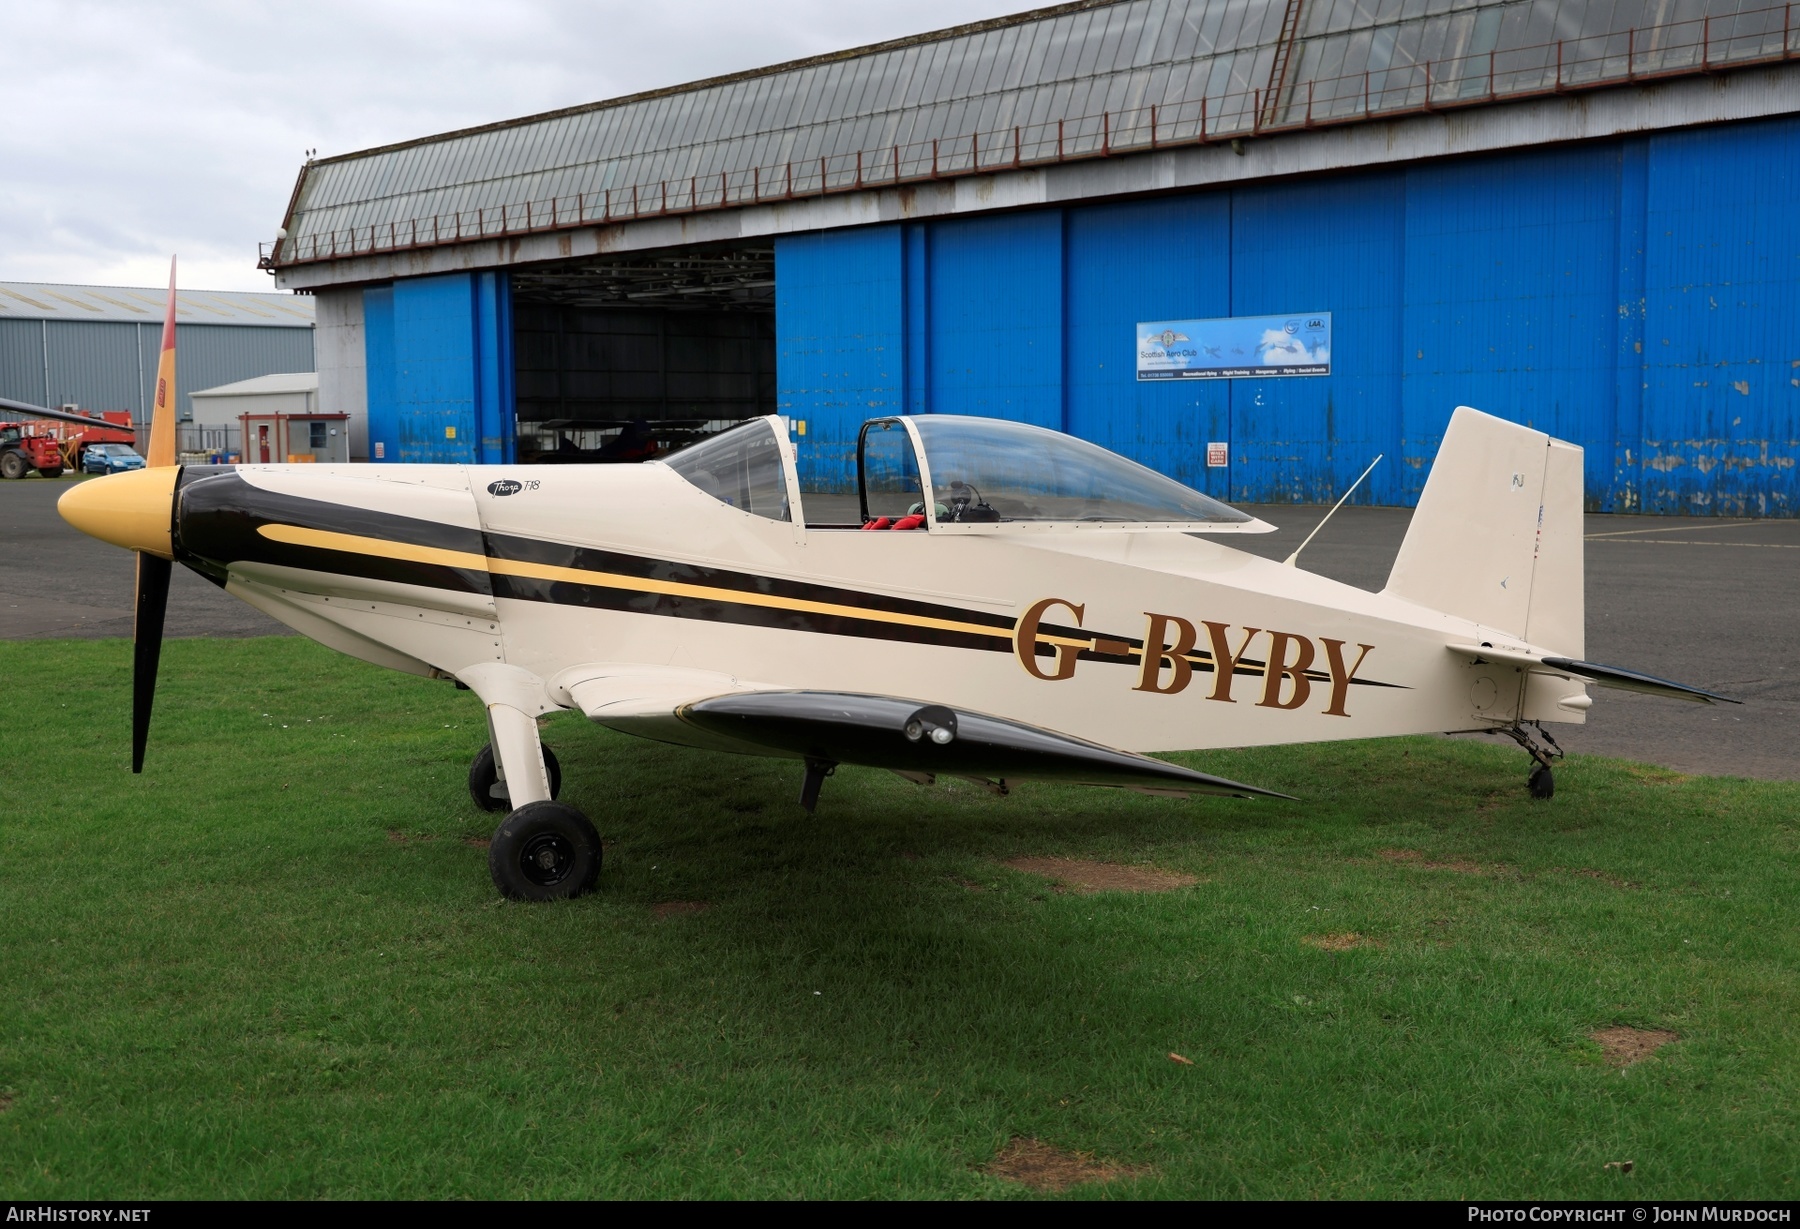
(146, 647)
(160, 448)
(153, 570)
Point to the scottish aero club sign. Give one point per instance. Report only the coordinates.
(1235, 348)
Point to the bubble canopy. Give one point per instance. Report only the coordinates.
(988, 474)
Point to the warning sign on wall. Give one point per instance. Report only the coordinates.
(1218, 456)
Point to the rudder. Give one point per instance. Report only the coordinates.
(1497, 535)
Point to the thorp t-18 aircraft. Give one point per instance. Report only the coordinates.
(1011, 604)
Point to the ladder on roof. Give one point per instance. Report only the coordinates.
(1275, 98)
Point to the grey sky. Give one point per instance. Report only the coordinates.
(134, 130)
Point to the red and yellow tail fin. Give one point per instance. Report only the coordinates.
(162, 411)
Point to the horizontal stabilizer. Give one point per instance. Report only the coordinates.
(1593, 672)
(906, 736)
(1631, 680)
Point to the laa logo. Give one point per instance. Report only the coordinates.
(508, 486)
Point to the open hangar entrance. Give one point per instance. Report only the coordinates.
(621, 358)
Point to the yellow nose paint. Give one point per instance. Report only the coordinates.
(133, 509)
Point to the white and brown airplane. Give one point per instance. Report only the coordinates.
(1011, 603)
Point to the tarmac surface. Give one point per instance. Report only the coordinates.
(55, 581)
(1706, 601)
(1709, 602)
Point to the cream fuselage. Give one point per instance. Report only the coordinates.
(633, 566)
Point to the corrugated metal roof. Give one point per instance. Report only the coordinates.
(1077, 80)
(144, 305)
(281, 382)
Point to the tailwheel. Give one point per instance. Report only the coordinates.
(545, 851)
(1541, 782)
(1543, 750)
(489, 791)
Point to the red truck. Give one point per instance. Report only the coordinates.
(22, 450)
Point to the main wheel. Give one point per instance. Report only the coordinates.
(12, 465)
(54, 471)
(545, 851)
(489, 792)
(1541, 782)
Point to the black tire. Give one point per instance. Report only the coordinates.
(55, 471)
(12, 465)
(545, 851)
(483, 776)
(1542, 782)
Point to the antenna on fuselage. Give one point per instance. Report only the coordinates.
(1290, 560)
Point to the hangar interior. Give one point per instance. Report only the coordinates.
(613, 356)
(1571, 213)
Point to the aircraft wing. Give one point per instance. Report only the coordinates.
(917, 739)
(1593, 672)
(27, 410)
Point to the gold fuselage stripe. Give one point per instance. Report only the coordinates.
(386, 548)
(355, 544)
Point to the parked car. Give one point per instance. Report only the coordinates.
(110, 458)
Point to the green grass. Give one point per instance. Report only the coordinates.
(273, 966)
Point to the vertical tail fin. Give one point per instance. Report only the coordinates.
(1497, 535)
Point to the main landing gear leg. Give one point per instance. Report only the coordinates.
(519, 755)
(487, 777)
(816, 772)
(544, 849)
(1543, 750)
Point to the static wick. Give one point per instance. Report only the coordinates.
(1290, 560)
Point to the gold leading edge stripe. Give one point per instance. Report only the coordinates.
(381, 548)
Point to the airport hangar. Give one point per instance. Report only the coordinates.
(1579, 214)
(96, 346)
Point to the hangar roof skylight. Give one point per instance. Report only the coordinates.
(1073, 81)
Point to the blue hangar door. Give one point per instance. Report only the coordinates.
(1485, 282)
(1027, 316)
(1633, 296)
(439, 369)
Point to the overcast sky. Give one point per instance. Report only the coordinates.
(135, 129)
